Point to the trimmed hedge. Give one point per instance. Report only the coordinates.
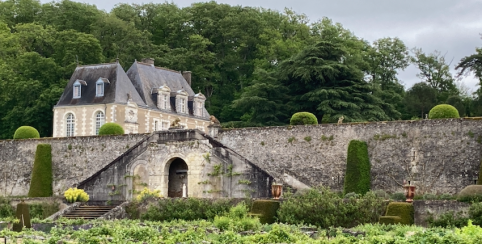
(41, 183)
(26, 132)
(23, 215)
(443, 111)
(111, 129)
(472, 193)
(303, 118)
(403, 210)
(357, 177)
(265, 210)
(390, 220)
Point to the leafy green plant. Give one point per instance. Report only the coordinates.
(321, 207)
(146, 193)
(41, 183)
(6, 210)
(291, 139)
(448, 220)
(357, 178)
(111, 129)
(325, 138)
(26, 132)
(308, 138)
(216, 170)
(443, 111)
(303, 118)
(471, 193)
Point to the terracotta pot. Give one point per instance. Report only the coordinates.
(409, 193)
(276, 190)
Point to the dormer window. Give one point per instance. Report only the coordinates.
(99, 89)
(182, 105)
(199, 100)
(77, 90)
(99, 86)
(163, 98)
(181, 102)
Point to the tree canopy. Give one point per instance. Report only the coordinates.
(256, 66)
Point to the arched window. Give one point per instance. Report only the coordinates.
(99, 121)
(70, 124)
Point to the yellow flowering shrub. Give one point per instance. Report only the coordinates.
(76, 195)
(146, 193)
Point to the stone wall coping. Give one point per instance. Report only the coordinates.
(289, 127)
(74, 137)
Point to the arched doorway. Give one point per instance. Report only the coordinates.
(177, 178)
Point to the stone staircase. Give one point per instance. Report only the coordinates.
(88, 212)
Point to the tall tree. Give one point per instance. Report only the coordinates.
(419, 99)
(322, 80)
(435, 72)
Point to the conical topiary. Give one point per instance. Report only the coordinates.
(41, 183)
(23, 215)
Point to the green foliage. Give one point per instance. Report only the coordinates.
(398, 196)
(325, 138)
(146, 193)
(324, 208)
(472, 193)
(26, 132)
(475, 213)
(6, 210)
(216, 170)
(443, 111)
(449, 219)
(41, 183)
(303, 118)
(307, 138)
(23, 215)
(43, 210)
(265, 210)
(111, 129)
(419, 99)
(390, 220)
(357, 177)
(401, 209)
(237, 220)
(186, 209)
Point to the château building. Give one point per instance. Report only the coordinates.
(146, 98)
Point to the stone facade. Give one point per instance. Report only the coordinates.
(426, 209)
(438, 156)
(211, 170)
(143, 120)
(73, 160)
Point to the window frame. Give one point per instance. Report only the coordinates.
(77, 87)
(70, 125)
(99, 83)
(99, 122)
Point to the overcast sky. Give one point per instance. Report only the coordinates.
(450, 26)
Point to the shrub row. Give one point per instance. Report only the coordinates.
(324, 208)
(168, 209)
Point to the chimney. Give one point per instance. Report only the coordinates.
(148, 61)
(187, 76)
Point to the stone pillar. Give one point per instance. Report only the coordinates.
(214, 130)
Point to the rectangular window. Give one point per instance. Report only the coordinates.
(200, 109)
(165, 101)
(77, 91)
(100, 90)
(156, 125)
(165, 125)
(182, 104)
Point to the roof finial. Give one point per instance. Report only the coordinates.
(117, 59)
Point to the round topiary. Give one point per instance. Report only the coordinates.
(25, 132)
(303, 118)
(472, 193)
(443, 111)
(111, 129)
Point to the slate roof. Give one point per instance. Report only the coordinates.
(116, 91)
(146, 77)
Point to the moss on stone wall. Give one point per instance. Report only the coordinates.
(357, 177)
(41, 183)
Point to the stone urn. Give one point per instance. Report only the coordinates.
(276, 190)
(409, 193)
